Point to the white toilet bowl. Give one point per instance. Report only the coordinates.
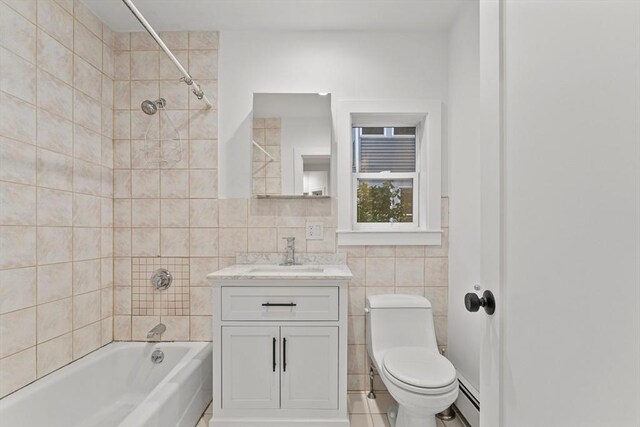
(402, 346)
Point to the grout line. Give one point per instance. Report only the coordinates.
(36, 189)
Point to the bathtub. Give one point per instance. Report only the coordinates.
(119, 386)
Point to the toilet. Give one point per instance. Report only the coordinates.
(401, 343)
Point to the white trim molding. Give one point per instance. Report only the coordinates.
(426, 115)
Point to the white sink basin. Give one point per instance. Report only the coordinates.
(297, 269)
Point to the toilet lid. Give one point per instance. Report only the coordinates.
(419, 367)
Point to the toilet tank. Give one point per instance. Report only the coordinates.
(399, 321)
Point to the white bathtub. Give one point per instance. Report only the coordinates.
(118, 386)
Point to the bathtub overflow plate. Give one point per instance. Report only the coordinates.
(161, 279)
(157, 356)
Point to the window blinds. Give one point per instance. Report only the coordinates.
(384, 153)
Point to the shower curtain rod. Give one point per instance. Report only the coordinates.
(186, 77)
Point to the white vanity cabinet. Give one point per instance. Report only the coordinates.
(280, 350)
(280, 367)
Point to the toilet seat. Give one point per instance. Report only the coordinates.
(420, 370)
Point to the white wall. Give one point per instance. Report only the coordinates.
(349, 65)
(301, 132)
(464, 193)
(572, 217)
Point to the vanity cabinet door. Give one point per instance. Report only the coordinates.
(250, 367)
(309, 365)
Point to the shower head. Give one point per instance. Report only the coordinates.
(151, 107)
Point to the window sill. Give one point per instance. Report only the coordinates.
(398, 238)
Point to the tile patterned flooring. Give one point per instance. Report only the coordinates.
(363, 412)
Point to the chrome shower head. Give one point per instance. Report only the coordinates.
(151, 107)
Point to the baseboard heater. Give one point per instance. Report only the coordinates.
(468, 402)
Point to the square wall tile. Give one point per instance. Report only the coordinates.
(17, 331)
(232, 241)
(145, 212)
(232, 212)
(55, 96)
(17, 33)
(56, 21)
(87, 45)
(145, 184)
(54, 319)
(86, 276)
(17, 289)
(18, 119)
(17, 204)
(17, 76)
(203, 212)
(18, 369)
(87, 339)
(55, 58)
(17, 246)
(203, 242)
(54, 133)
(174, 242)
(54, 354)
(175, 213)
(145, 242)
(203, 183)
(18, 161)
(54, 282)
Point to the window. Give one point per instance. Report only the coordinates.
(388, 172)
(385, 175)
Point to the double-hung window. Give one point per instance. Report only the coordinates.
(388, 172)
(385, 177)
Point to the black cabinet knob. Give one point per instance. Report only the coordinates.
(473, 302)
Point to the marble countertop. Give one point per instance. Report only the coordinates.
(277, 272)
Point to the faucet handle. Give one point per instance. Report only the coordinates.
(290, 240)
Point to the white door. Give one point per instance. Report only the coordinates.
(491, 205)
(309, 367)
(250, 367)
(560, 114)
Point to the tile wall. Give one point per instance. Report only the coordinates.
(165, 211)
(56, 187)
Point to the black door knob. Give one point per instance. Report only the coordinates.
(473, 302)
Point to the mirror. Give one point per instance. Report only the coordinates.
(291, 146)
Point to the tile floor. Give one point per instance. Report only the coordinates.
(363, 412)
(206, 417)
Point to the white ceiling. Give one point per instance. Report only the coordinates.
(281, 15)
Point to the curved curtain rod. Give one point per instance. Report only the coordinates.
(186, 77)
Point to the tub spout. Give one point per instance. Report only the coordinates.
(156, 330)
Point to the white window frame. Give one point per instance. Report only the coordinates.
(426, 116)
(382, 226)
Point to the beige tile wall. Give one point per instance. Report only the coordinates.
(56, 187)
(169, 210)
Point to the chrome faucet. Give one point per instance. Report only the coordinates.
(290, 251)
(156, 330)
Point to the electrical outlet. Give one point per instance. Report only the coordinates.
(315, 230)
